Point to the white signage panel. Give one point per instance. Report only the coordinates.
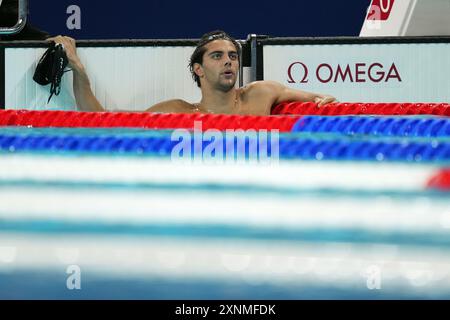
(416, 72)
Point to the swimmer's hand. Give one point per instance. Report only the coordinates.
(71, 51)
(324, 99)
(85, 98)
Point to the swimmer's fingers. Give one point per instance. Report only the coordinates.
(52, 39)
(57, 39)
(65, 41)
(325, 100)
(70, 48)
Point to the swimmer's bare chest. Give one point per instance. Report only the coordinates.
(244, 106)
(243, 109)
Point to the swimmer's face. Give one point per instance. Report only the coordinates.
(220, 65)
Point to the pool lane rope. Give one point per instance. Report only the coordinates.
(243, 146)
(335, 109)
(385, 126)
(375, 126)
(145, 120)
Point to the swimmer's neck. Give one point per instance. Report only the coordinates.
(216, 101)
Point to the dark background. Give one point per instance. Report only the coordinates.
(102, 19)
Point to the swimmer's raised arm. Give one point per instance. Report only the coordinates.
(85, 98)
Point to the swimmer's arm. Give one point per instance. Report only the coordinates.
(85, 98)
(281, 93)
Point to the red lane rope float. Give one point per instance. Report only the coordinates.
(440, 181)
(335, 109)
(146, 120)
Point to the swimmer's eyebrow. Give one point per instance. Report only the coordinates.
(221, 52)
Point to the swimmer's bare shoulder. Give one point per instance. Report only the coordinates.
(258, 97)
(172, 106)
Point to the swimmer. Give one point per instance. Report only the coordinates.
(214, 66)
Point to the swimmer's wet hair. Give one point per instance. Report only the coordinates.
(197, 55)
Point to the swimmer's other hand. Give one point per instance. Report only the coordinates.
(324, 99)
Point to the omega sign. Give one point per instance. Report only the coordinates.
(299, 72)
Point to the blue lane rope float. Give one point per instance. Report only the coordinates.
(375, 126)
(289, 147)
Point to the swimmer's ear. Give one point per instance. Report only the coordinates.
(198, 69)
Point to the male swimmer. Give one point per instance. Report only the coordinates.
(214, 65)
